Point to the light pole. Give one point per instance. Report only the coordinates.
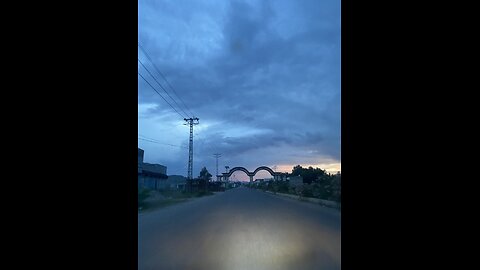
(226, 177)
(217, 156)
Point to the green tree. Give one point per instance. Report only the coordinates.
(205, 175)
(322, 184)
(143, 194)
(297, 170)
(309, 174)
(204, 178)
(336, 188)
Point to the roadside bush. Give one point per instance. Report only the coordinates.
(307, 192)
(203, 193)
(143, 194)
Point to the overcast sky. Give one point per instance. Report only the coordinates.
(263, 77)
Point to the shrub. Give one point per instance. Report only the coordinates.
(307, 192)
(143, 194)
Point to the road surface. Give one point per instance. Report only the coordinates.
(240, 229)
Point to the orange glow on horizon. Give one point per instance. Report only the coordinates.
(329, 167)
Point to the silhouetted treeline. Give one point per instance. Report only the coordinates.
(317, 183)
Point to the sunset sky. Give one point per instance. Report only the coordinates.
(263, 77)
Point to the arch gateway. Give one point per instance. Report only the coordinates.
(276, 175)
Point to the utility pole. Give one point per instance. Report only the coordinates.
(226, 181)
(217, 156)
(190, 146)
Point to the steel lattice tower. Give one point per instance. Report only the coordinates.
(190, 146)
(217, 156)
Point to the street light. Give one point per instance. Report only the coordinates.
(226, 177)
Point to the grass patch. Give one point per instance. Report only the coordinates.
(176, 194)
(303, 198)
(202, 193)
(142, 196)
(152, 205)
(169, 197)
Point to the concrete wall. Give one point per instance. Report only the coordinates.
(140, 160)
(173, 182)
(156, 168)
(152, 182)
(148, 182)
(176, 180)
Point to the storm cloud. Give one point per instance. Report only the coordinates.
(262, 76)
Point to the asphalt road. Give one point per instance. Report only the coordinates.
(240, 229)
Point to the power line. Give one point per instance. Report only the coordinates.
(148, 137)
(161, 86)
(161, 74)
(159, 93)
(189, 120)
(173, 90)
(152, 141)
(157, 141)
(145, 136)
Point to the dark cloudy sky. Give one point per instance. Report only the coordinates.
(262, 76)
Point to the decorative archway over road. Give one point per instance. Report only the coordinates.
(276, 175)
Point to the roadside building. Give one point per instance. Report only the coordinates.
(151, 176)
(176, 182)
(140, 160)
